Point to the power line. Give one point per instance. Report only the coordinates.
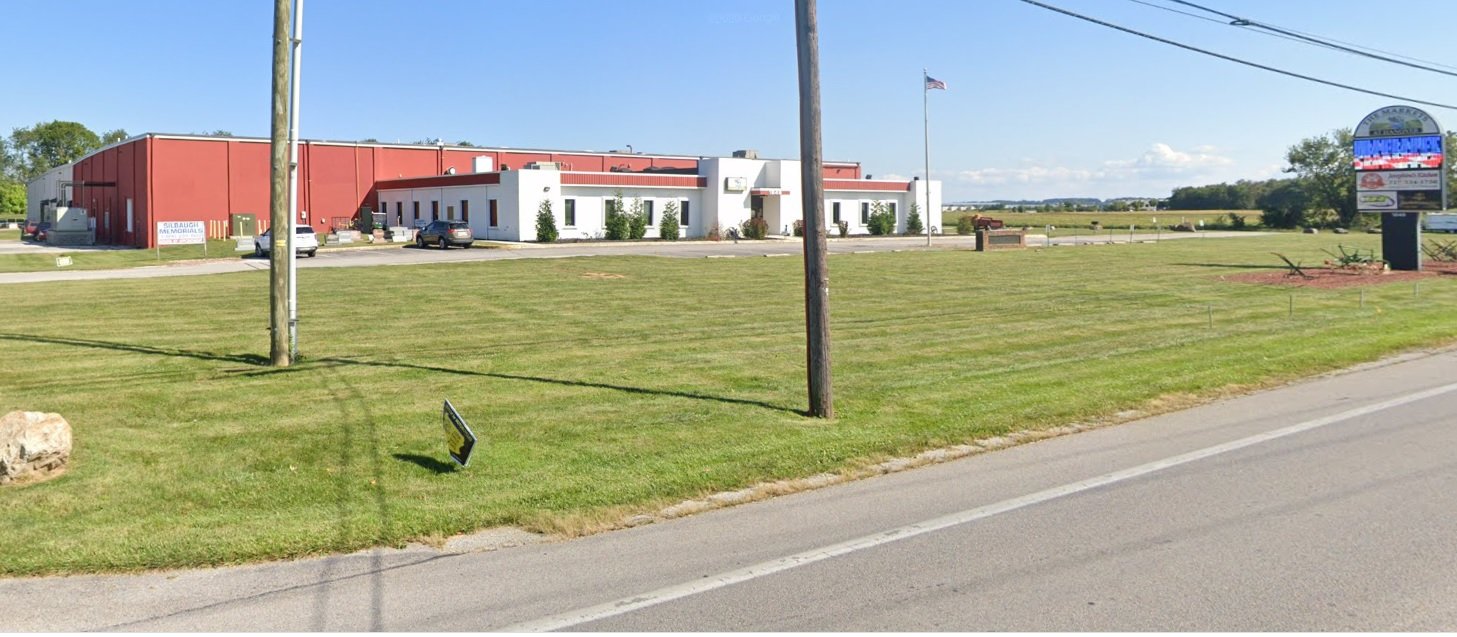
(1317, 41)
(1235, 59)
(1222, 23)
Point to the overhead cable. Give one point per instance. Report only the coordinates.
(1235, 59)
(1238, 21)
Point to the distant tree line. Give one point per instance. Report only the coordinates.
(1240, 195)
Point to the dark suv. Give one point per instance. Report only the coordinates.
(445, 234)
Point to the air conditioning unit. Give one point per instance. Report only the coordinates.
(544, 165)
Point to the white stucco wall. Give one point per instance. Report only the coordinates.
(520, 192)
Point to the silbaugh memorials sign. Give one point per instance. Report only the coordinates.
(1400, 172)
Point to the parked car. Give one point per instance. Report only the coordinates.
(28, 231)
(38, 233)
(445, 234)
(304, 242)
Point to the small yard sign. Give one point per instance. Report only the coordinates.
(459, 439)
(176, 233)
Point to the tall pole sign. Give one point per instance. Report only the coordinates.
(1400, 173)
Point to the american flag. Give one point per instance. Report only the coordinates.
(932, 82)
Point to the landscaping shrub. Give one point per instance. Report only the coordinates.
(668, 227)
(882, 220)
(965, 224)
(546, 231)
(799, 227)
(714, 233)
(913, 220)
(844, 227)
(616, 220)
(637, 220)
(755, 228)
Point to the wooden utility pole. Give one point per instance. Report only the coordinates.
(816, 270)
(281, 245)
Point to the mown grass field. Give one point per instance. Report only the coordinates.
(601, 387)
(1069, 223)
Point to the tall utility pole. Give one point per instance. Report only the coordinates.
(293, 187)
(816, 271)
(282, 242)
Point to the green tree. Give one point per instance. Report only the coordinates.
(12, 199)
(637, 220)
(913, 220)
(44, 146)
(114, 136)
(1323, 165)
(668, 227)
(1284, 205)
(546, 231)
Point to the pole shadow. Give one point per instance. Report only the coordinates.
(261, 364)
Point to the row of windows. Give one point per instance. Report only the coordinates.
(610, 205)
(864, 211)
(435, 211)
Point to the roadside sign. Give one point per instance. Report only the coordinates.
(1399, 161)
(1400, 166)
(176, 233)
(459, 439)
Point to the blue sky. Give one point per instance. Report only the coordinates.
(1039, 105)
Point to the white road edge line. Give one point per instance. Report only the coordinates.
(713, 582)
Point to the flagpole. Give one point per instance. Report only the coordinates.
(926, 126)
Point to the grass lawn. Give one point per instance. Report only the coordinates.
(607, 385)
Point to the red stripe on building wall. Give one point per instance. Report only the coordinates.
(861, 184)
(440, 181)
(629, 179)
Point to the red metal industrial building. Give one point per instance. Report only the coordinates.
(128, 187)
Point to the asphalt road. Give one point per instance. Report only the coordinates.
(1325, 505)
(400, 255)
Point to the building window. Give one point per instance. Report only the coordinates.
(864, 213)
(465, 210)
(609, 207)
(434, 210)
(890, 207)
(450, 213)
(569, 210)
(647, 207)
(399, 213)
(683, 213)
(835, 213)
(417, 211)
(492, 209)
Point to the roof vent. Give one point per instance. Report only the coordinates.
(543, 165)
(747, 153)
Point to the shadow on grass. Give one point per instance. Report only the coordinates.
(426, 462)
(246, 359)
(262, 361)
(1238, 266)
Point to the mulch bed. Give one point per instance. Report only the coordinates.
(1328, 278)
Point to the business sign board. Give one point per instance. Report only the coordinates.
(176, 233)
(1399, 161)
(459, 439)
(1399, 180)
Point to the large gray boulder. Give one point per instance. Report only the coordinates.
(33, 446)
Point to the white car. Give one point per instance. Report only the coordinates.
(304, 242)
